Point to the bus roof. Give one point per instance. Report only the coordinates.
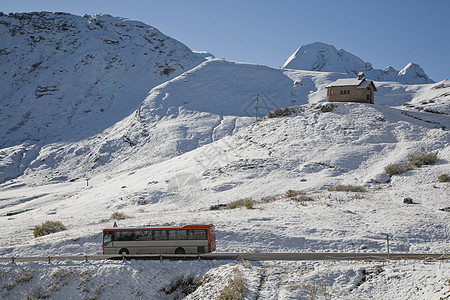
(193, 226)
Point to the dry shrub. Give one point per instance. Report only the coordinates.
(244, 202)
(268, 199)
(297, 195)
(414, 160)
(235, 288)
(347, 188)
(418, 159)
(444, 178)
(118, 216)
(315, 290)
(292, 193)
(182, 284)
(280, 112)
(397, 168)
(18, 277)
(48, 228)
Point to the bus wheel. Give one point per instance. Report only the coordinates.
(124, 251)
(179, 251)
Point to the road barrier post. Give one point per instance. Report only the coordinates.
(387, 240)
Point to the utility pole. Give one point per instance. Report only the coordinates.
(256, 106)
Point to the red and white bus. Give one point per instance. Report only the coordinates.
(149, 240)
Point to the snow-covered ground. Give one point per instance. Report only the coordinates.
(192, 143)
(265, 280)
(350, 145)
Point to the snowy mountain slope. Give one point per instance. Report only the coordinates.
(323, 57)
(66, 77)
(202, 105)
(54, 134)
(308, 150)
(432, 98)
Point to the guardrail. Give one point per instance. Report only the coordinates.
(263, 256)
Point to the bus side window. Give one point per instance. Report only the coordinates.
(177, 234)
(143, 235)
(197, 234)
(107, 238)
(124, 236)
(160, 235)
(148, 235)
(201, 234)
(173, 234)
(182, 234)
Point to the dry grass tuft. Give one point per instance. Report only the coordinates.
(118, 216)
(347, 188)
(244, 202)
(444, 178)
(235, 288)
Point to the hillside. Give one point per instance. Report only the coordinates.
(74, 103)
(351, 144)
(202, 105)
(66, 78)
(307, 150)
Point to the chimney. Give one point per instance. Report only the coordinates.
(360, 75)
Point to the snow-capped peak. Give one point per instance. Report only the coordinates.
(323, 57)
(326, 58)
(414, 70)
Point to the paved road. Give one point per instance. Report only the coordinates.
(245, 256)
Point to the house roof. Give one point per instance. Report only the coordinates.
(347, 82)
(359, 83)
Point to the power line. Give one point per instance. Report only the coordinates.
(418, 51)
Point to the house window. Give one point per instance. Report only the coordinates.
(368, 97)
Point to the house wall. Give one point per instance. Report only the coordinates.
(352, 94)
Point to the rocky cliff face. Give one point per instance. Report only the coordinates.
(326, 58)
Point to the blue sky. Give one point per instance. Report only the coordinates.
(266, 32)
